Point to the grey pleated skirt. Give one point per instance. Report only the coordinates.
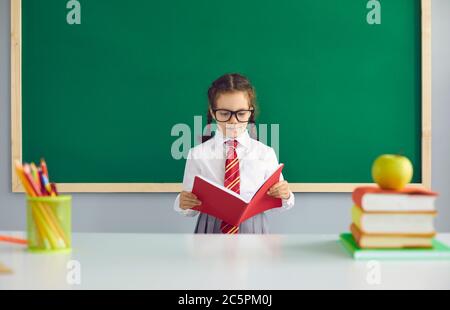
(207, 224)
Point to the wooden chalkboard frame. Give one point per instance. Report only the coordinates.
(16, 121)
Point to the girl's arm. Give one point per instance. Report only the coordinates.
(191, 169)
(272, 164)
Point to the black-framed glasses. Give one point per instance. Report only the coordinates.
(242, 116)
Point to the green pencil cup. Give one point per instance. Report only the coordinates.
(49, 224)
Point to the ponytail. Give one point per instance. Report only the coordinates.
(208, 135)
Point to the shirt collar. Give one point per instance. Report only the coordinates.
(243, 138)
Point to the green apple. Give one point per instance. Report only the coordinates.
(392, 171)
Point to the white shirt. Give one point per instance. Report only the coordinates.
(257, 162)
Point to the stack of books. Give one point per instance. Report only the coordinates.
(389, 219)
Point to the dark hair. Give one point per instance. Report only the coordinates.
(229, 83)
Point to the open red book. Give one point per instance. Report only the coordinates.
(229, 206)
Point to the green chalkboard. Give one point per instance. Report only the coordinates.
(101, 98)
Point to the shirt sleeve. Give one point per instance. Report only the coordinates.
(190, 171)
(273, 164)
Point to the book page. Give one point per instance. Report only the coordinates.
(261, 201)
(234, 193)
(265, 180)
(229, 191)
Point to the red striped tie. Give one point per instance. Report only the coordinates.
(231, 180)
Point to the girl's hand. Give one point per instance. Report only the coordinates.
(280, 190)
(188, 200)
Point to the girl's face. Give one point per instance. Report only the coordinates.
(235, 101)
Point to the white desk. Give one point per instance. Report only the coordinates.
(186, 261)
